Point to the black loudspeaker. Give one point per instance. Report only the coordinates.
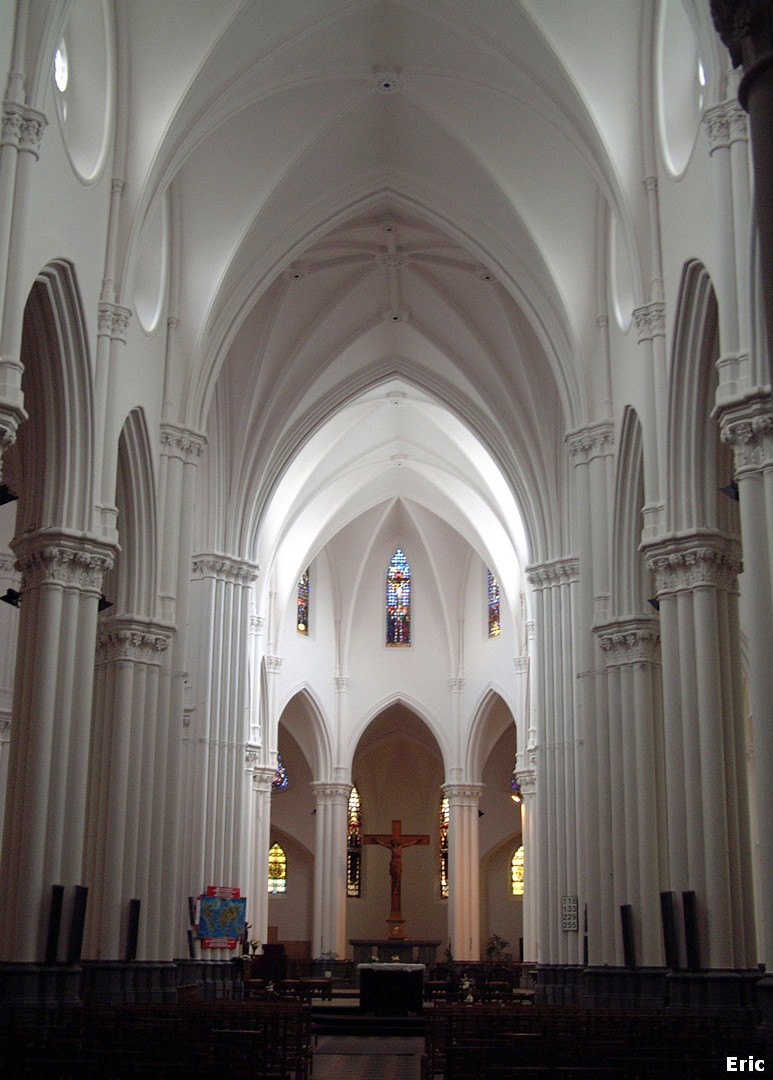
(691, 936)
(629, 947)
(134, 930)
(54, 923)
(77, 923)
(670, 939)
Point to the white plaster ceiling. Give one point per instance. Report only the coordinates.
(375, 201)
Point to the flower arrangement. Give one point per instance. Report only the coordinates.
(374, 958)
(467, 987)
(395, 959)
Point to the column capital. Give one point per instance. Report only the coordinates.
(527, 781)
(273, 664)
(23, 127)
(554, 572)
(747, 426)
(456, 685)
(696, 560)
(725, 123)
(629, 641)
(113, 321)
(132, 640)
(330, 793)
(596, 440)
(262, 775)
(225, 568)
(342, 684)
(53, 557)
(463, 794)
(650, 321)
(180, 442)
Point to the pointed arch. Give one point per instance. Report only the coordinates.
(304, 718)
(133, 581)
(53, 459)
(490, 719)
(695, 453)
(629, 578)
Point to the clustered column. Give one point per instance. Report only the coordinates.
(214, 776)
(464, 869)
(329, 929)
(127, 688)
(557, 849)
(633, 686)
(259, 843)
(704, 743)
(45, 813)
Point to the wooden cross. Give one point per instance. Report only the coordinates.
(395, 841)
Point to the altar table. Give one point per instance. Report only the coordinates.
(391, 989)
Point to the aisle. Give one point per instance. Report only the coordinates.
(346, 1057)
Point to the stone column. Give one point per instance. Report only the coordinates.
(554, 585)
(464, 869)
(527, 781)
(45, 813)
(631, 649)
(705, 766)
(22, 131)
(167, 909)
(746, 27)
(128, 672)
(260, 832)
(9, 626)
(748, 428)
(650, 322)
(218, 648)
(329, 929)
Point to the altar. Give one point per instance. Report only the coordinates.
(391, 989)
(407, 951)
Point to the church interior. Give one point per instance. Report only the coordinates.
(386, 496)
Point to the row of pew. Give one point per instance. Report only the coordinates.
(492, 1042)
(196, 1040)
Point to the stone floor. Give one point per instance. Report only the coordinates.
(342, 1057)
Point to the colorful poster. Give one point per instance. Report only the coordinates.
(221, 921)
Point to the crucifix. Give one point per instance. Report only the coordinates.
(395, 842)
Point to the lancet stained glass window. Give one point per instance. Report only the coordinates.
(353, 844)
(277, 869)
(302, 617)
(493, 606)
(398, 601)
(280, 781)
(443, 823)
(516, 872)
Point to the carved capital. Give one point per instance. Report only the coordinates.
(262, 779)
(181, 443)
(725, 123)
(273, 664)
(630, 641)
(692, 562)
(521, 665)
(456, 686)
(113, 321)
(132, 642)
(527, 781)
(463, 794)
(329, 793)
(650, 321)
(224, 568)
(22, 127)
(49, 558)
(748, 428)
(590, 442)
(342, 684)
(555, 572)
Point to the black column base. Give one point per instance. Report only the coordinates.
(624, 988)
(558, 984)
(713, 991)
(123, 982)
(39, 985)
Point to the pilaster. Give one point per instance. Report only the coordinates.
(650, 323)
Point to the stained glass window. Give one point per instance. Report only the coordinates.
(277, 869)
(516, 872)
(302, 618)
(353, 844)
(280, 781)
(443, 823)
(493, 606)
(398, 600)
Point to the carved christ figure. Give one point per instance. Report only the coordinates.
(395, 842)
